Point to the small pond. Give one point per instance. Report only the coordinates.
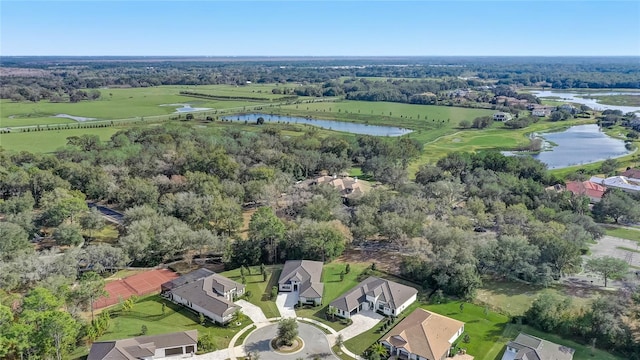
(185, 108)
(354, 128)
(76, 118)
(578, 145)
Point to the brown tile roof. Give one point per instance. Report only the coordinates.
(587, 188)
(632, 173)
(424, 333)
(141, 346)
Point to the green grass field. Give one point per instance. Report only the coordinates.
(620, 100)
(514, 298)
(623, 233)
(130, 103)
(48, 141)
(148, 311)
(260, 290)
(488, 333)
(485, 331)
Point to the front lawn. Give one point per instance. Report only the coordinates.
(623, 233)
(485, 331)
(333, 288)
(148, 311)
(260, 290)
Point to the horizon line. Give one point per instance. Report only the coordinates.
(319, 56)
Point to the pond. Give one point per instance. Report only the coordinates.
(589, 99)
(76, 118)
(185, 108)
(354, 128)
(578, 145)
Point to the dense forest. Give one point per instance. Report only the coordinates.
(58, 79)
(466, 218)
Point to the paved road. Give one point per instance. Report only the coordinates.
(610, 246)
(316, 344)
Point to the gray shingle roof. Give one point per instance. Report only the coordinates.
(390, 292)
(141, 346)
(533, 348)
(308, 273)
(198, 293)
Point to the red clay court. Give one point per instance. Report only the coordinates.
(140, 284)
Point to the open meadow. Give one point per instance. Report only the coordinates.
(127, 103)
(437, 127)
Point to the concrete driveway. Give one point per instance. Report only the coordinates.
(316, 344)
(252, 311)
(362, 321)
(286, 302)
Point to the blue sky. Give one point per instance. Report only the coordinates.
(320, 28)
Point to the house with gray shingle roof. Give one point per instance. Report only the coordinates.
(205, 292)
(303, 277)
(381, 295)
(527, 347)
(146, 347)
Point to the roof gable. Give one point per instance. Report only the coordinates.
(392, 293)
(141, 346)
(426, 334)
(308, 273)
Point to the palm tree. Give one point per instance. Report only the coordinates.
(378, 351)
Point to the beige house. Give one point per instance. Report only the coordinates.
(527, 347)
(381, 295)
(175, 345)
(303, 277)
(349, 187)
(423, 335)
(206, 292)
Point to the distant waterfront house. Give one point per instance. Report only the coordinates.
(587, 188)
(381, 295)
(205, 292)
(541, 111)
(568, 108)
(502, 116)
(423, 335)
(618, 182)
(303, 277)
(527, 347)
(146, 347)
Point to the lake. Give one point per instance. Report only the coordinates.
(589, 99)
(578, 145)
(354, 128)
